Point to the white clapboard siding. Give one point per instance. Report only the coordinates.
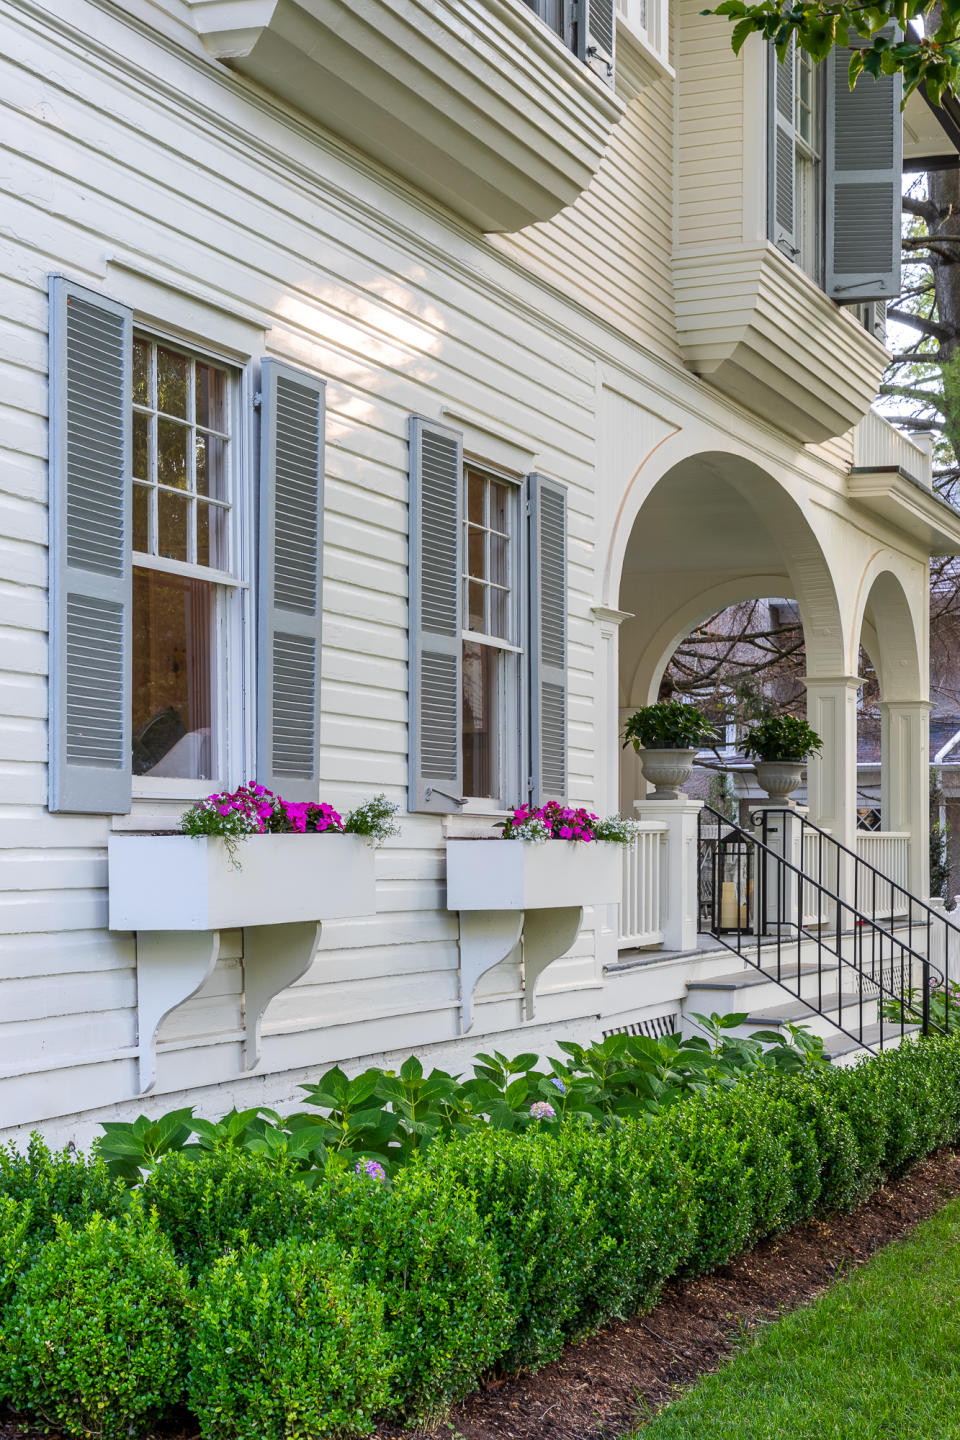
(610, 250)
(144, 169)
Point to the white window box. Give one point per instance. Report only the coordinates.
(511, 892)
(183, 882)
(519, 875)
(178, 892)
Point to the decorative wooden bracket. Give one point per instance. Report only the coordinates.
(486, 938)
(274, 956)
(547, 934)
(171, 966)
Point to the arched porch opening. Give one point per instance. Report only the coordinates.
(892, 634)
(713, 531)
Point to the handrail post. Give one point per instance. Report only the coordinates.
(925, 1000)
(780, 830)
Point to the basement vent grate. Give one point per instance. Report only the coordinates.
(656, 1028)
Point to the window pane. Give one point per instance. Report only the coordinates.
(475, 497)
(499, 614)
(499, 556)
(172, 453)
(141, 446)
(475, 615)
(211, 459)
(499, 506)
(481, 673)
(141, 372)
(173, 373)
(475, 565)
(211, 397)
(172, 676)
(211, 536)
(141, 522)
(172, 525)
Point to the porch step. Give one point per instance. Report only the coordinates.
(842, 1050)
(757, 990)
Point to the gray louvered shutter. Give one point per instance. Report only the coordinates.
(91, 348)
(434, 670)
(782, 152)
(864, 162)
(547, 569)
(599, 31)
(290, 609)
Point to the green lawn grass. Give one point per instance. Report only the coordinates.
(876, 1358)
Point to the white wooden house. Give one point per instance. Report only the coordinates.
(386, 388)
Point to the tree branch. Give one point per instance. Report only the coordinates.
(919, 322)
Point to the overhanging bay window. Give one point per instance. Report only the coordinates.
(487, 668)
(834, 167)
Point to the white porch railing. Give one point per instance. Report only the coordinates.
(877, 445)
(887, 851)
(641, 904)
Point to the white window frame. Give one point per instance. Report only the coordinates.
(808, 172)
(233, 660)
(509, 758)
(647, 23)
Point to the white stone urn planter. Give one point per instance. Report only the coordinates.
(666, 770)
(178, 892)
(510, 891)
(779, 778)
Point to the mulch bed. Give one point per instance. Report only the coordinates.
(596, 1390)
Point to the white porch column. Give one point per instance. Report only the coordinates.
(905, 782)
(679, 890)
(608, 759)
(832, 775)
(611, 722)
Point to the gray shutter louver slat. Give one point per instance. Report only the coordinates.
(91, 352)
(864, 163)
(435, 643)
(782, 152)
(547, 568)
(600, 37)
(290, 582)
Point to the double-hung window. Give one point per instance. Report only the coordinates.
(159, 618)
(834, 159)
(186, 571)
(487, 669)
(491, 638)
(587, 27)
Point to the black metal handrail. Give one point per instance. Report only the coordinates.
(914, 902)
(761, 879)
